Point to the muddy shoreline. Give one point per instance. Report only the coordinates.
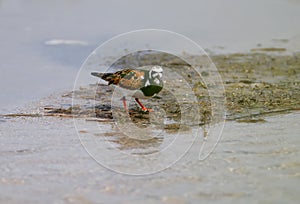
(256, 85)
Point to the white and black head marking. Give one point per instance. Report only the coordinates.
(155, 74)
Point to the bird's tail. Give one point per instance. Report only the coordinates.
(97, 74)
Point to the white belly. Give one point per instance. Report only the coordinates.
(129, 93)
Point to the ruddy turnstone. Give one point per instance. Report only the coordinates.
(138, 83)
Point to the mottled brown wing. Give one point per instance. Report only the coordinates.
(114, 78)
(128, 78)
(134, 79)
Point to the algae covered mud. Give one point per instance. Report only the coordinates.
(257, 159)
(256, 84)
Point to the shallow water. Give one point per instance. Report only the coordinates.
(43, 161)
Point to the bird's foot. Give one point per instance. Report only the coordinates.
(147, 109)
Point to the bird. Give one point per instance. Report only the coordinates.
(138, 83)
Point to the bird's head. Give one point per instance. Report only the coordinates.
(155, 74)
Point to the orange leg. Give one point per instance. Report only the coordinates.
(142, 106)
(124, 103)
